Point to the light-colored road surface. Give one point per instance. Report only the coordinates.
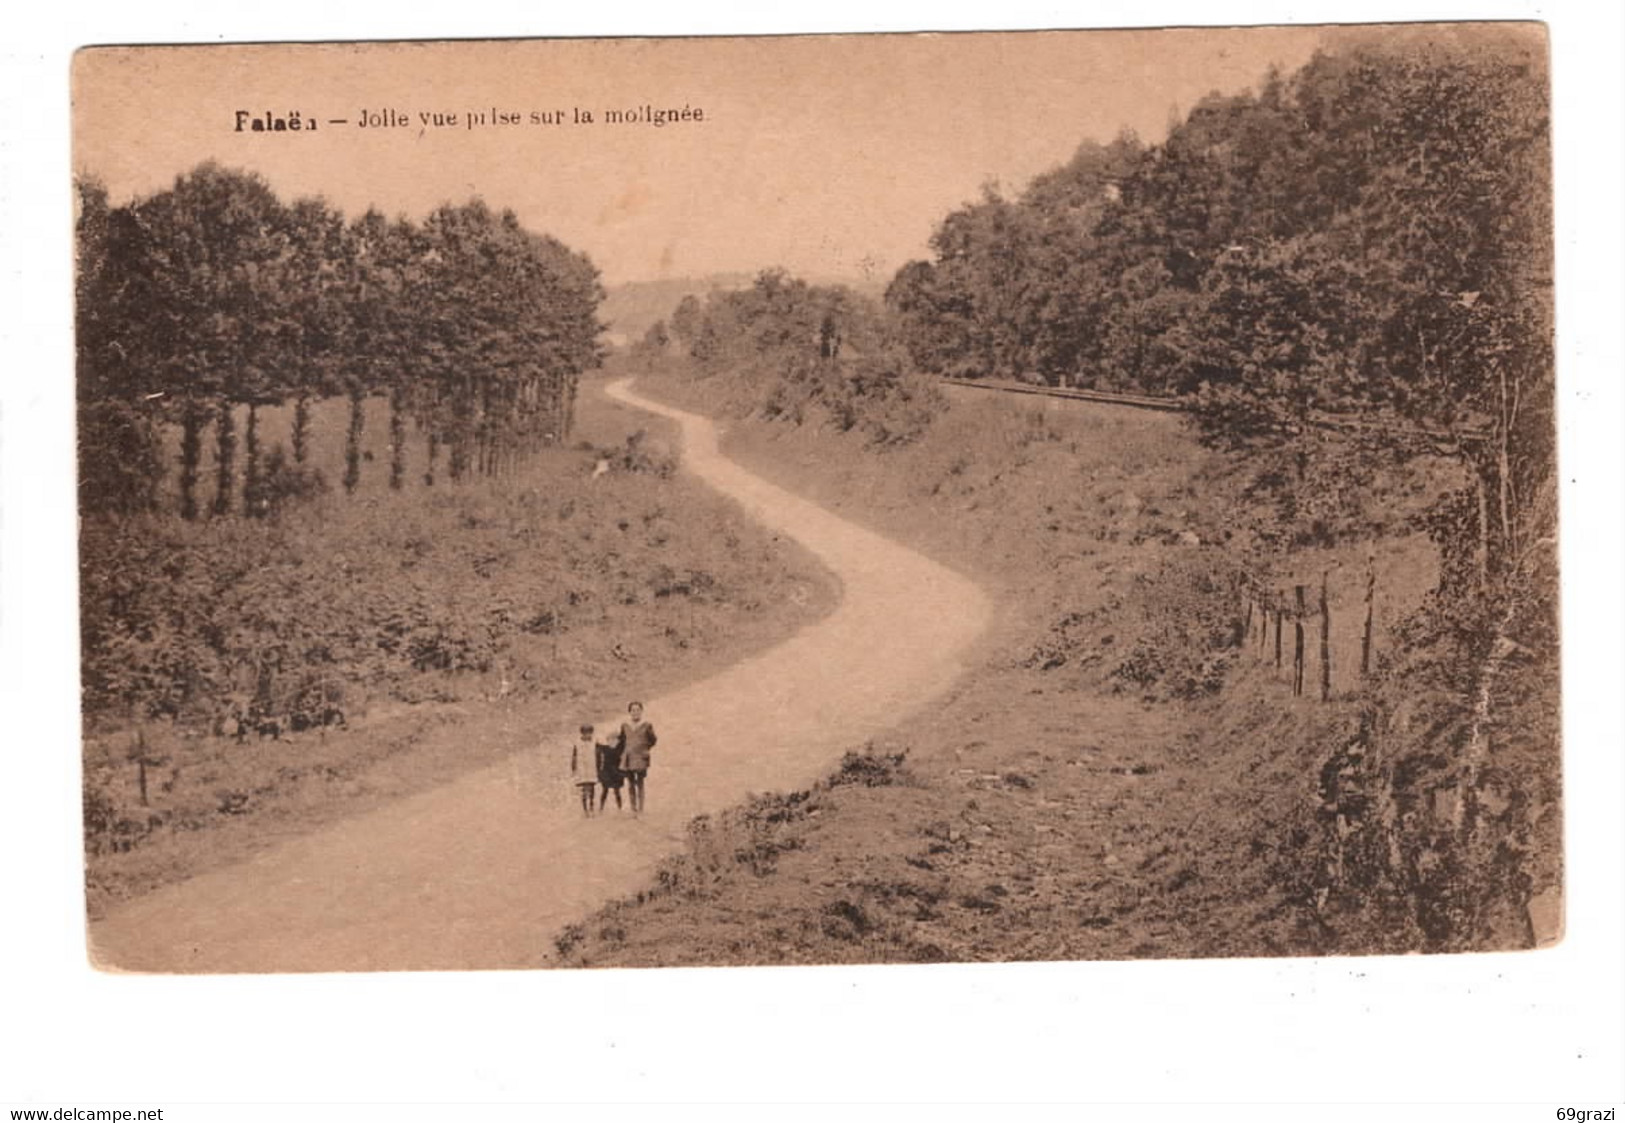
(484, 871)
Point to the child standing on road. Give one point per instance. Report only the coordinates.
(607, 758)
(582, 757)
(636, 739)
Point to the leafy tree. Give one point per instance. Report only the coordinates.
(120, 465)
(802, 352)
(382, 340)
(195, 261)
(685, 321)
(319, 300)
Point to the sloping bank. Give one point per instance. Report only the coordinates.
(1056, 803)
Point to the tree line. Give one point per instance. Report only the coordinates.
(1363, 246)
(1346, 274)
(1340, 272)
(215, 297)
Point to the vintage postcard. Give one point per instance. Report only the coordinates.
(901, 498)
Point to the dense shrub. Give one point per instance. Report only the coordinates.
(120, 459)
(178, 616)
(808, 354)
(1189, 627)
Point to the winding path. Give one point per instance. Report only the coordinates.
(482, 872)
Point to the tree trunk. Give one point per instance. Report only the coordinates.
(1297, 647)
(1325, 643)
(352, 439)
(252, 504)
(1370, 603)
(1481, 553)
(1503, 467)
(532, 414)
(509, 442)
(301, 427)
(458, 457)
(480, 422)
(225, 458)
(1476, 751)
(457, 462)
(569, 392)
(488, 430)
(397, 437)
(191, 454)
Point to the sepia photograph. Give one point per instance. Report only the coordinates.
(912, 559)
(828, 499)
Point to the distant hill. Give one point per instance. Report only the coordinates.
(631, 309)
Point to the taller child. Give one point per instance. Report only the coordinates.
(637, 737)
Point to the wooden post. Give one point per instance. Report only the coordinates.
(1277, 639)
(1481, 552)
(1297, 645)
(1325, 641)
(139, 751)
(1247, 628)
(1370, 599)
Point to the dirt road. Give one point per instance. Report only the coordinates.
(481, 873)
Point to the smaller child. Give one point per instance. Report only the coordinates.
(583, 757)
(608, 760)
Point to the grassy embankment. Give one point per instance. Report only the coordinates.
(1116, 778)
(460, 624)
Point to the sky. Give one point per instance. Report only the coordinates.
(832, 156)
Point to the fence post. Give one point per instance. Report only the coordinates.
(1297, 645)
(141, 756)
(1370, 599)
(1277, 638)
(1325, 641)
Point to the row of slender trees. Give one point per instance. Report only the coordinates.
(214, 298)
